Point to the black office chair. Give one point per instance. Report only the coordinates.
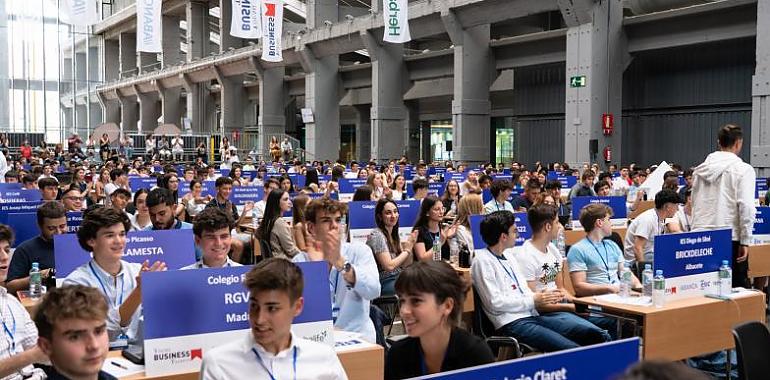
(752, 343)
(389, 305)
(505, 347)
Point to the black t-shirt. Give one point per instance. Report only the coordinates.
(426, 237)
(28, 252)
(404, 359)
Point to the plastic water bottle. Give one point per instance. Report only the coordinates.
(725, 279)
(561, 244)
(454, 251)
(254, 220)
(437, 247)
(659, 289)
(35, 282)
(647, 280)
(344, 228)
(625, 281)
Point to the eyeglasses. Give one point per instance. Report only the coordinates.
(76, 199)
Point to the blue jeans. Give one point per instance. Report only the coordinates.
(605, 323)
(555, 331)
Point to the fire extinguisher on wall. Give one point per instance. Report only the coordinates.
(608, 124)
(607, 154)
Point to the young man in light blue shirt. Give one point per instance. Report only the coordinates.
(103, 232)
(501, 189)
(212, 235)
(594, 262)
(354, 280)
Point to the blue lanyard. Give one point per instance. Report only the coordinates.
(8, 331)
(106, 294)
(261, 363)
(606, 253)
(510, 273)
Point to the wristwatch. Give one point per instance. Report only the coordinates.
(346, 267)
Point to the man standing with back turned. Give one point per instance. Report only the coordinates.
(723, 197)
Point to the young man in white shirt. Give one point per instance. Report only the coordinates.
(723, 197)
(270, 350)
(73, 333)
(354, 280)
(640, 237)
(118, 179)
(511, 305)
(212, 235)
(103, 232)
(501, 189)
(19, 350)
(177, 148)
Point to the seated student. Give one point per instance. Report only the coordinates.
(259, 207)
(29, 181)
(72, 198)
(274, 229)
(512, 306)
(212, 236)
(470, 204)
(119, 199)
(431, 298)
(11, 176)
(602, 188)
(429, 231)
(19, 349)
(471, 184)
(49, 188)
(224, 186)
(270, 350)
(385, 243)
(420, 187)
(531, 193)
(640, 237)
(584, 188)
(501, 189)
(684, 214)
(485, 182)
(103, 232)
(51, 220)
(594, 262)
(73, 333)
(353, 278)
(160, 203)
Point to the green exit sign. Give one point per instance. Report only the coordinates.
(577, 81)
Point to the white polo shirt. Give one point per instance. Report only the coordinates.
(200, 265)
(245, 359)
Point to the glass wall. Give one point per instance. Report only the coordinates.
(505, 148)
(440, 133)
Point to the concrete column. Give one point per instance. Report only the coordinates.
(272, 97)
(226, 41)
(111, 60)
(198, 105)
(197, 13)
(80, 115)
(66, 76)
(473, 74)
(81, 70)
(426, 153)
(388, 113)
(172, 53)
(171, 104)
(127, 46)
(149, 111)
(411, 133)
(4, 74)
(129, 113)
(596, 49)
(364, 136)
(760, 95)
(96, 115)
(110, 109)
(231, 99)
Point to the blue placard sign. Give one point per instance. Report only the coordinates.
(692, 253)
(574, 364)
(567, 181)
(760, 187)
(10, 186)
(762, 221)
(136, 183)
(361, 218)
(242, 194)
(20, 195)
(617, 204)
(174, 247)
(523, 229)
(74, 220)
(349, 186)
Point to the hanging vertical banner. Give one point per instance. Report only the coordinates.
(79, 12)
(148, 26)
(272, 29)
(396, 16)
(246, 20)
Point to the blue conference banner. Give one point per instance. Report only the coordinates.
(349, 186)
(617, 204)
(174, 247)
(20, 195)
(242, 194)
(136, 183)
(201, 301)
(74, 220)
(523, 229)
(575, 364)
(692, 253)
(762, 221)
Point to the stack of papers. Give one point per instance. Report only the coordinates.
(120, 367)
(614, 298)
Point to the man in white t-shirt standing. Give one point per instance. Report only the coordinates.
(177, 148)
(640, 237)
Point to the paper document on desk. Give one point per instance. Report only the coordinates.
(614, 298)
(120, 367)
(742, 292)
(346, 340)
